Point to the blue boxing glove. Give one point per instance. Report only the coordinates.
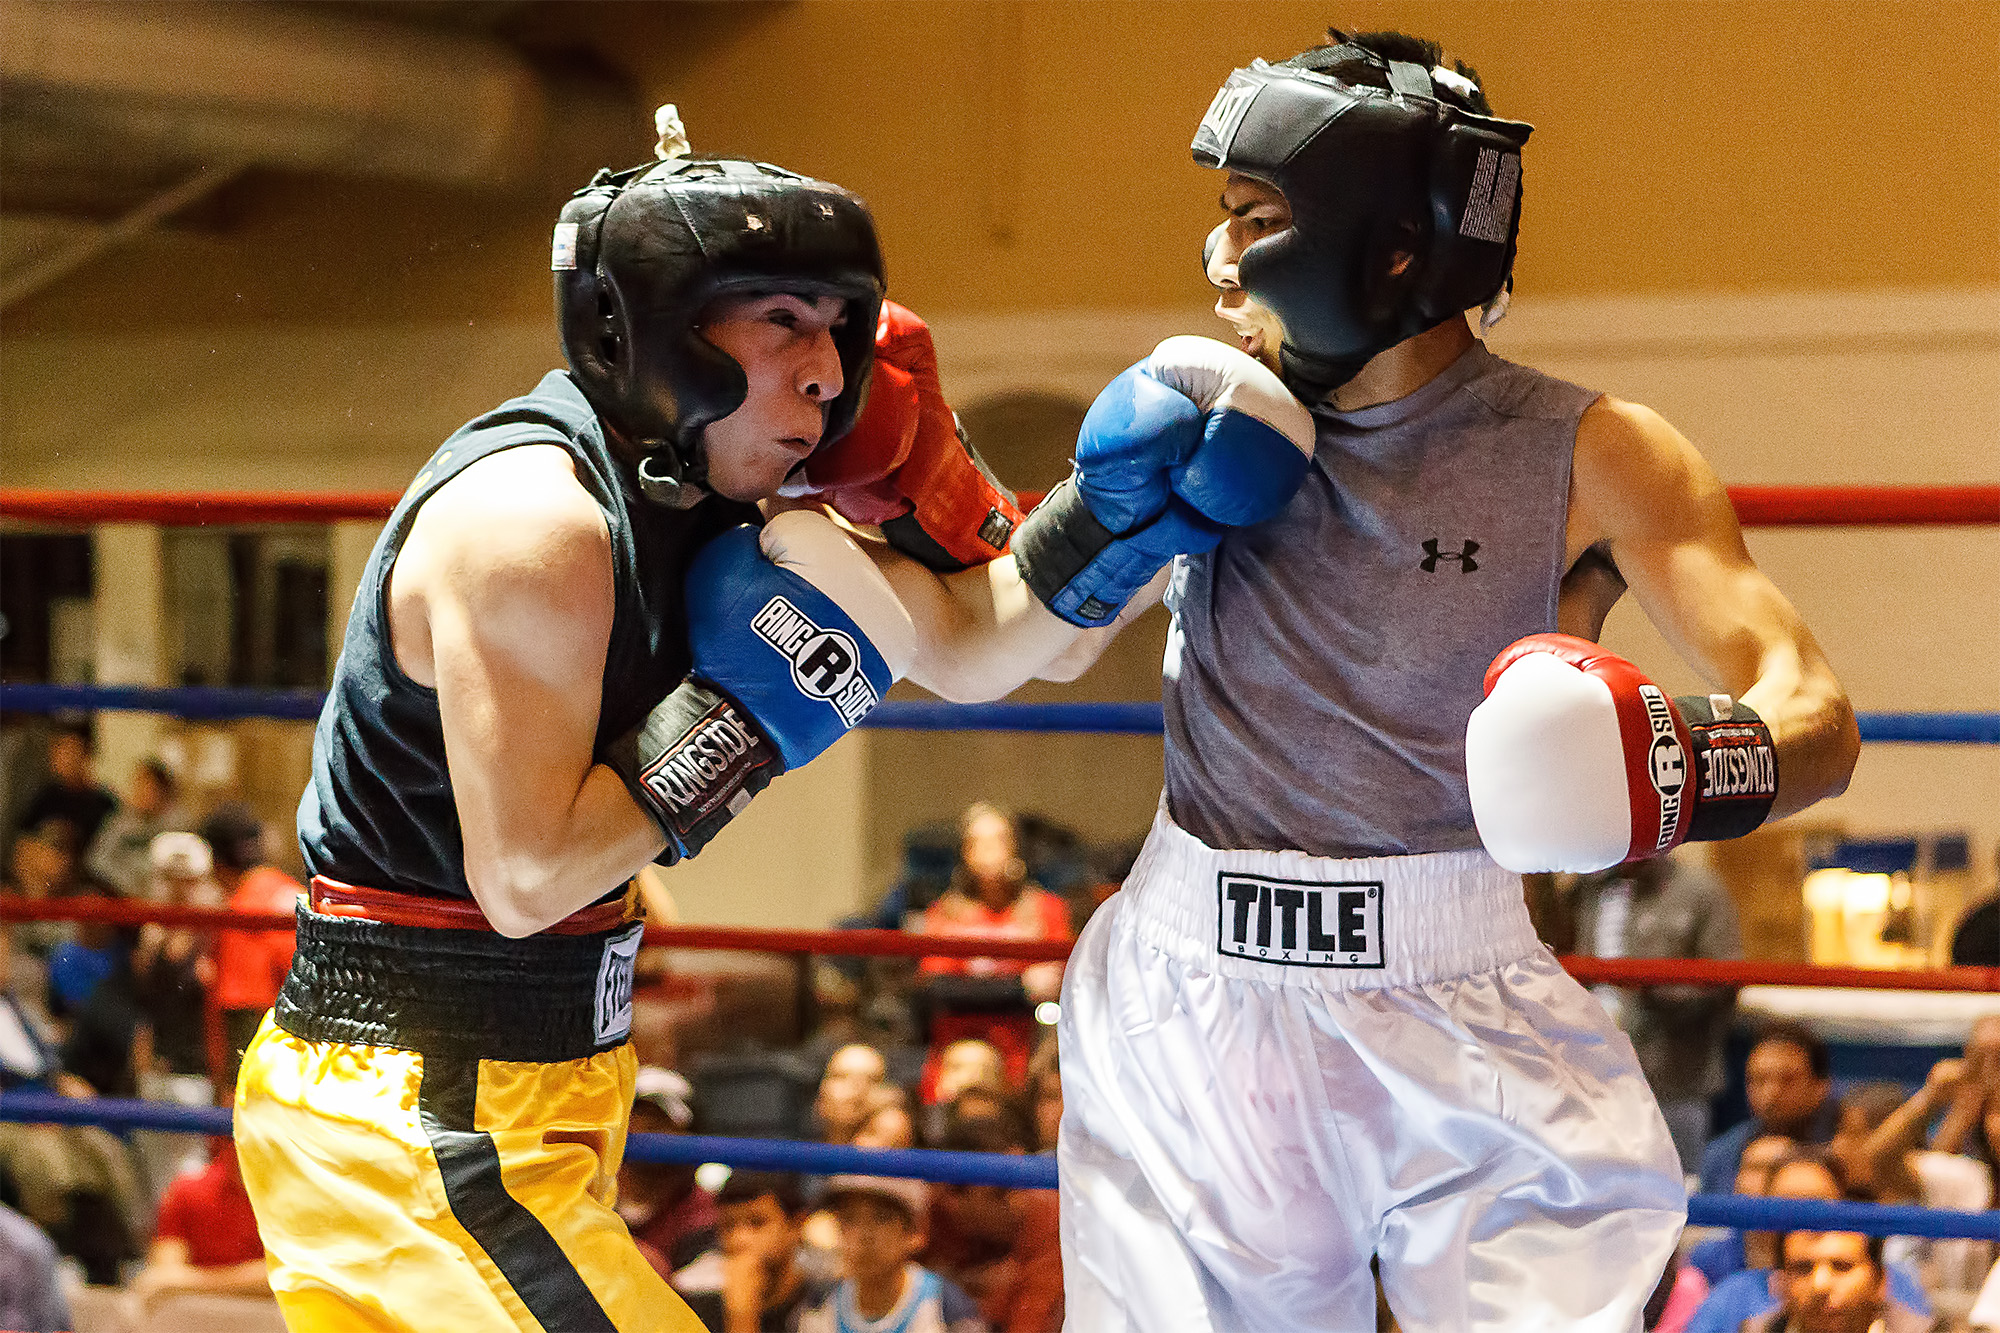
(795, 637)
(1196, 439)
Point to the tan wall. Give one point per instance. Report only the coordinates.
(1697, 167)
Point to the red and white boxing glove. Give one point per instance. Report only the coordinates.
(1576, 761)
(906, 468)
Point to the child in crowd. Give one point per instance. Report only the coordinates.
(205, 1241)
(882, 1227)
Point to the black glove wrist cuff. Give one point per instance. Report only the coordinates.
(1057, 539)
(1735, 775)
(692, 764)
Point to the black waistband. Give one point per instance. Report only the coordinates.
(459, 993)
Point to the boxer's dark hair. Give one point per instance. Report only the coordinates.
(748, 1186)
(1818, 1058)
(1814, 1155)
(1874, 1247)
(1397, 46)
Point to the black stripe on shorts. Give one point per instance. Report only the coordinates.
(514, 1238)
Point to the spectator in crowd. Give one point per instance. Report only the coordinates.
(75, 1181)
(1806, 1173)
(1971, 1123)
(41, 865)
(28, 1054)
(173, 971)
(886, 1120)
(1668, 907)
(1976, 942)
(1789, 1081)
(31, 1294)
(1001, 1245)
(852, 1072)
(990, 898)
(1045, 1097)
(1985, 1312)
(205, 1240)
(882, 1289)
(969, 1062)
(755, 1280)
(670, 1215)
(1878, 1146)
(72, 793)
(1058, 859)
(120, 854)
(1834, 1282)
(250, 965)
(1709, 1262)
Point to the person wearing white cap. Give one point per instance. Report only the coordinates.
(882, 1288)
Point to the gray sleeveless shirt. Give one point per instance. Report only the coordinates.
(1321, 666)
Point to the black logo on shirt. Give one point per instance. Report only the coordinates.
(1297, 923)
(1466, 564)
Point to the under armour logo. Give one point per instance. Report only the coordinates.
(1466, 564)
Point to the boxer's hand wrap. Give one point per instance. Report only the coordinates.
(1194, 440)
(1576, 761)
(906, 466)
(795, 637)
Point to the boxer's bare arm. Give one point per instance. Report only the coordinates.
(1639, 486)
(981, 633)
(501, 600)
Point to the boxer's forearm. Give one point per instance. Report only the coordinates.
(1812, 726)
(981, 632)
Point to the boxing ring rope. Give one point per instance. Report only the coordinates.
(897, 943)
(210, 703)
(1003, 1170)
(1756, 506)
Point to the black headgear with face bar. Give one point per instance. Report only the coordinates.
(1367, 172)
(637, 256)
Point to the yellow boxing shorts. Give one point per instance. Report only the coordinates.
(430, 1124)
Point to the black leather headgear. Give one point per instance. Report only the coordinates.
(639, 253)
(1367, 172)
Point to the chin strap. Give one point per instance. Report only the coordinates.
(1314, 378)
(666, 480)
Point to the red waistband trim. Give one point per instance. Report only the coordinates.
(332, 898)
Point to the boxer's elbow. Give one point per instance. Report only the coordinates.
(1816, 760)
(1844, 746)
(516, 899)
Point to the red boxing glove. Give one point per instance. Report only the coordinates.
(906, 468)
(1576, 761)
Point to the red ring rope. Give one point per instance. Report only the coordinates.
(875, 943)
(1756, 506)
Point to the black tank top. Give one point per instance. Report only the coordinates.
(379, 809)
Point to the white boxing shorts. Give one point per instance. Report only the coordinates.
(1277, 1066)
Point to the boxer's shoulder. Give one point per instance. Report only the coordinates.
(1634, 474)
(519, 510)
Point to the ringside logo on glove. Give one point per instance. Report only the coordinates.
(826, 663)
(1666, 763)
(707, 767)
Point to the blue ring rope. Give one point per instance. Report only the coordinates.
(1008, 1172)
(214, 703)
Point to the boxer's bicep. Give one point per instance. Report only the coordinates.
(1675, 539)
(519, 608)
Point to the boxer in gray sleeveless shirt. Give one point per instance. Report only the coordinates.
(1314, 1037)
